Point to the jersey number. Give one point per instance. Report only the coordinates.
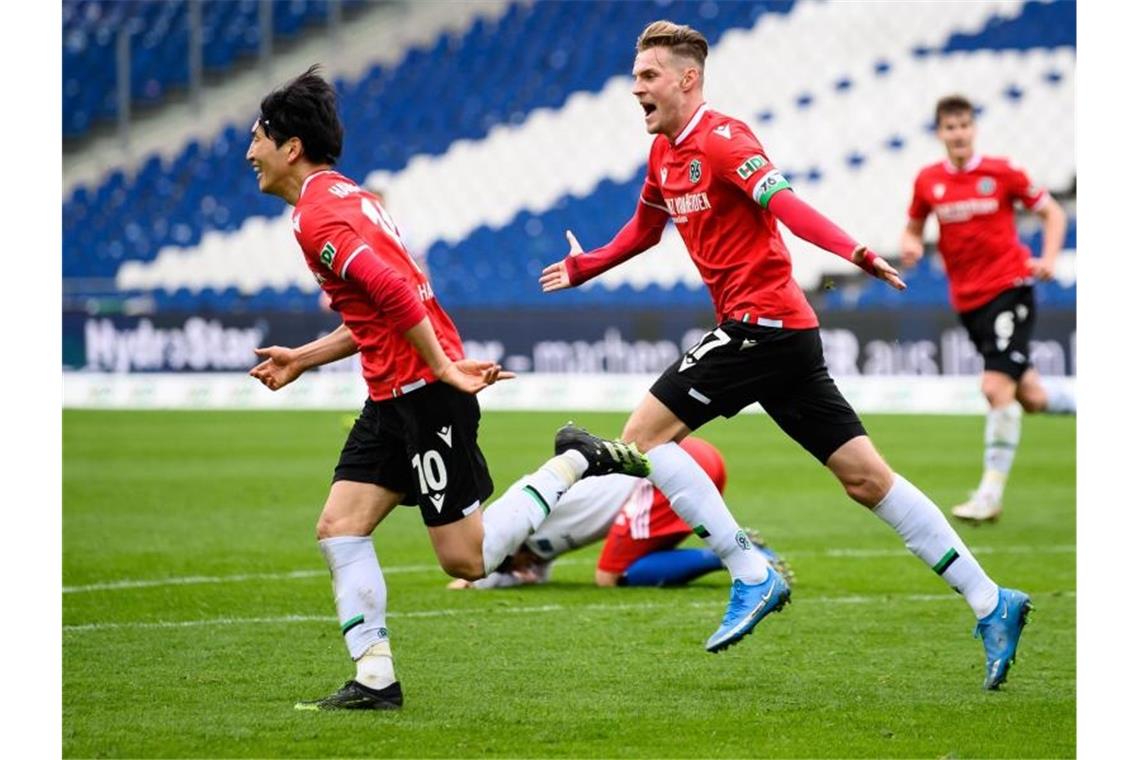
(378, 216)
(714, 339)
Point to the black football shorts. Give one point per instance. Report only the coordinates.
(1001, 329)
(738, 364)
(423, 445)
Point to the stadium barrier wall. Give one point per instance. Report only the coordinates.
(345, 391)
(880, 342)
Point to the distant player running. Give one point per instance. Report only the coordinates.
(414, 443)
(709, 174)
(991, 279)
(640, 529)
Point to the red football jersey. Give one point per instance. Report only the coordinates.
(977, 230)
(335, 221)
(715, 182)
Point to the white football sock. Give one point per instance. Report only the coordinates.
(358, 585)
(374, 669)
(1058, 398)
(1003, 434)
(694, 497)
(518, 512)
(930, 538)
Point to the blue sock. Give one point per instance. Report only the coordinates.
(675, 567)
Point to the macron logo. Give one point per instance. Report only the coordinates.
(437, 501)
(724, 130)
(297, 222)
(445, 434)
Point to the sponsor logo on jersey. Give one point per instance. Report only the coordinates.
(327, 254)
(750, 167)
(986, 186)
(343, 189)
(938, 190)
(687, 204)
(724, 130)
(961, 211)
(695, 171)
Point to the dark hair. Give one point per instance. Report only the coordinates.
(952, 104)
(306, 109)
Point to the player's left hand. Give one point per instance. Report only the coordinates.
(883, 270)
(1041, 270)
(471, 376)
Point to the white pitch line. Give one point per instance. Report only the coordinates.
(191, 580)
(496, 609)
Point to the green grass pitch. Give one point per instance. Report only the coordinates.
(197, 609)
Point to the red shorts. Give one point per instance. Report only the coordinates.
(638, 531)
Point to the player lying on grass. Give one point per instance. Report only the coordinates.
(641, 534)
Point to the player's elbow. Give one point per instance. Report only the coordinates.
(602, 579)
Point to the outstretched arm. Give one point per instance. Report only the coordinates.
(640, 233)
(810, 225)
(282, 365)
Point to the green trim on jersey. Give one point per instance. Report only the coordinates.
(772, 183)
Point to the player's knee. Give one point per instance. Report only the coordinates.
(868, 486)
(998, 391)
(1032, 400)
(333, 526)
(467, 567)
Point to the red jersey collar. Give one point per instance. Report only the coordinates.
(692, 124)
(972, 164)
(308, 179)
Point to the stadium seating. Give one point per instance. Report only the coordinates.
(472, 145)
(160, 37)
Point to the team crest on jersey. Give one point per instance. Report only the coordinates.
(695, 171)
(986, 186)
(939, 190)
(327, 254)
(664, 173)
(750, 167)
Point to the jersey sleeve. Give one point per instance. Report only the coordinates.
(919, 207)
(339, 248)
(1022, 189)
(737, 157)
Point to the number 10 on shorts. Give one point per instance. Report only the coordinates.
(431, 471)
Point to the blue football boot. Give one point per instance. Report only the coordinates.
(747, 606)
(1000, 631)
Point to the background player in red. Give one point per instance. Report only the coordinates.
(709, 175)
(415, 442)
(991, 279)
(641, 533)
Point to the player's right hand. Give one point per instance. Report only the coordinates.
(279, 368)
(555, 276)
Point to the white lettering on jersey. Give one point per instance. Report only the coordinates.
(343, 189)
(683, 205)
(961, 211)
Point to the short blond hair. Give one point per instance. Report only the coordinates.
(684, 41)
